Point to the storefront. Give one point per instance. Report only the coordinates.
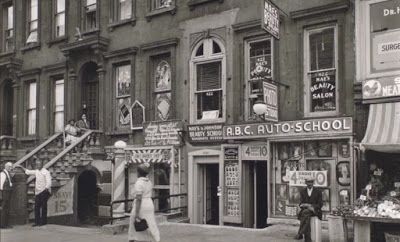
(295, 149)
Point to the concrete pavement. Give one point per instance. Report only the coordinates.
(170, 232)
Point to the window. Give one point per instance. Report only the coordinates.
(162, 87)
(124, 9)
(258, 67)
(59, 18)
(320, 72)
(33, 21)
(8, 28)
(123, 94)
(31, 108)
(208, 82)
(162, 185)
(58, 106)
(157, 4)
(90, 14)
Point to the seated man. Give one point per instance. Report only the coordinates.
(310, 205)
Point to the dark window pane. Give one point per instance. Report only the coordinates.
(322, 49)
(209, 76)
(200, 50)
(216, 48)
(209, 101)
(260, 60)
(161, 174)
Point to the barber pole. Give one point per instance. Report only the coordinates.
(119, 182)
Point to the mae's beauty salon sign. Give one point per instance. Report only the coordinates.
(314, 127)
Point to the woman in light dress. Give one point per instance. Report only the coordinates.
(143, 207)
(71, 132)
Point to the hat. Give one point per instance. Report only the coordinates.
(144, 167)
(309, 179)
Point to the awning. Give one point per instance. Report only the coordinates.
(150, 155)
(383, 130)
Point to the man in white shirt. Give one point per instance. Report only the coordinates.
(5, 196)
(42, 191)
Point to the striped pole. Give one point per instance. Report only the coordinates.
(119, 182)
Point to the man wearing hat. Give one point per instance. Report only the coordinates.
(310, 205)
(5, 196)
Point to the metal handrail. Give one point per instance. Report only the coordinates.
(153, 198)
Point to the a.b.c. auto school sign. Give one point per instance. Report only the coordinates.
(313, 127)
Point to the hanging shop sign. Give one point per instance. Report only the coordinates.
(270, 18)
(150, 155)
(162, 133)
(61, 202)
(314, 127)
(383, 87)
(205, 133)
(385, 36)
(270, 92)
(323, 91)
(255, 152)
(137, 112)
(298, 178)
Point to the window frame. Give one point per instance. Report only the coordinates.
(29, 21)
(84, 13)
(54, 81)
(55, 14)
(115, 65)
(207, 57)
(5, 30)
(307, 71)
(364, 40)
(153, 11)
(28, 109)
(247, 80)
(155, 59)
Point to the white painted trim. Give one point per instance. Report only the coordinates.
(306, 71)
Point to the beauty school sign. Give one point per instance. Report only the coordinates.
(313, 127)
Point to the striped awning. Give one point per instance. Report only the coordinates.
(383, 130)
(150, 155)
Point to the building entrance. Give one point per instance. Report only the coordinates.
(6, 109)
(90, 94)
(87, 197)
(208, 193)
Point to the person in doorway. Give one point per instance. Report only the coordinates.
(310, 205)
(6, 186)
(143, 208)
(83, 123)
(71, 132)
(42, 191)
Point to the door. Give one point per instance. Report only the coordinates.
(208, 197)
(6, 121)
(248, 193)
(261, 194)
(90, 94)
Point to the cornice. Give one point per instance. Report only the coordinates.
(95, 43)
(319, 10)
(29, 72)
(55, 67)
(243, 26)
(160, 44)
(121, 52)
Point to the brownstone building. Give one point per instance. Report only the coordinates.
(177, 81)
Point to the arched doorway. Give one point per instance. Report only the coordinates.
(6, 108)
(87, 197)
(90, 93)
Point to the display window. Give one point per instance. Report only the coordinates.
(330, 166)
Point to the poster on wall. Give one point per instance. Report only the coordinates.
(326, 200)
(286, 167)
(343, 173)
(321, 165)
(323, 91)
(61, 202)
(123, 74)
(344, 197)
(294, 194)
(270, 92)
(162, 133)
(162, 76)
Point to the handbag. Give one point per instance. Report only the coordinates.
(141, 225)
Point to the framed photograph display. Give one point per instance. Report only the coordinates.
(344, 150)
(280, 207)
(283, 151)
(325, 149)
(281, 191)
(326, 200)
(294, 194)
(295, 151)
(311, 149)
(286, 166)
(344, 197)
(232, 207)
(343, 173)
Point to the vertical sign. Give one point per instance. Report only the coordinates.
(270, 18)
(271, 100)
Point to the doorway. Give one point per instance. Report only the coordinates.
(208, 193)
(255, 201)
(7, 102)
(87, 198)
(90, 94)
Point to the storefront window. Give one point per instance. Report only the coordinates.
(320, 71)
(329, 164)
(161, 185)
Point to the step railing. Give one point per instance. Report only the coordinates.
(7, 143)
(90, 137)
(39, 148)
(126, 201)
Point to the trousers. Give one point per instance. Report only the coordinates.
(305, 226)
(41, 207)
(5, 207)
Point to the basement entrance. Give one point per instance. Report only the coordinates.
(87, 198)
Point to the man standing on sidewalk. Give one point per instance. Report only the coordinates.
(42, 191)
(5, 196)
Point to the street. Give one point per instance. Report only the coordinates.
(170, 232)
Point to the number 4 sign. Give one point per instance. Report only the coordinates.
(297, 178)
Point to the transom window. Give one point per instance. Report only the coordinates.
(208, 82)
(320, 65)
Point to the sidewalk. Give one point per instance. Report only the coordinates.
(170, 232)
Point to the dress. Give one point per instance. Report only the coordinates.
(144, 186)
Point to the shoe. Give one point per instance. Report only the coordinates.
(298, 237)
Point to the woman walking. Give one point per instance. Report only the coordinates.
(143, 208)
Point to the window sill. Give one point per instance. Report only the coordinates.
(156, 12)
(30, 47)
(90, 32)
(57, 40)
(7, 54)
(27, 138)
(193, 3)
(131, 21)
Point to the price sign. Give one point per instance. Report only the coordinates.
(363, 197)
(255, 152)
(297, 178)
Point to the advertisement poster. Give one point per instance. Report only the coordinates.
(162, 133)
(297, 178)
(323, 91)
(61, 202)
(271, 100)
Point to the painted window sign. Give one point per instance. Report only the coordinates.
(385, 36)
(260, 60)
(323, 91)
(123, 76)
(163, 106)
(270, 21)
(124, 117)
(162, 76)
